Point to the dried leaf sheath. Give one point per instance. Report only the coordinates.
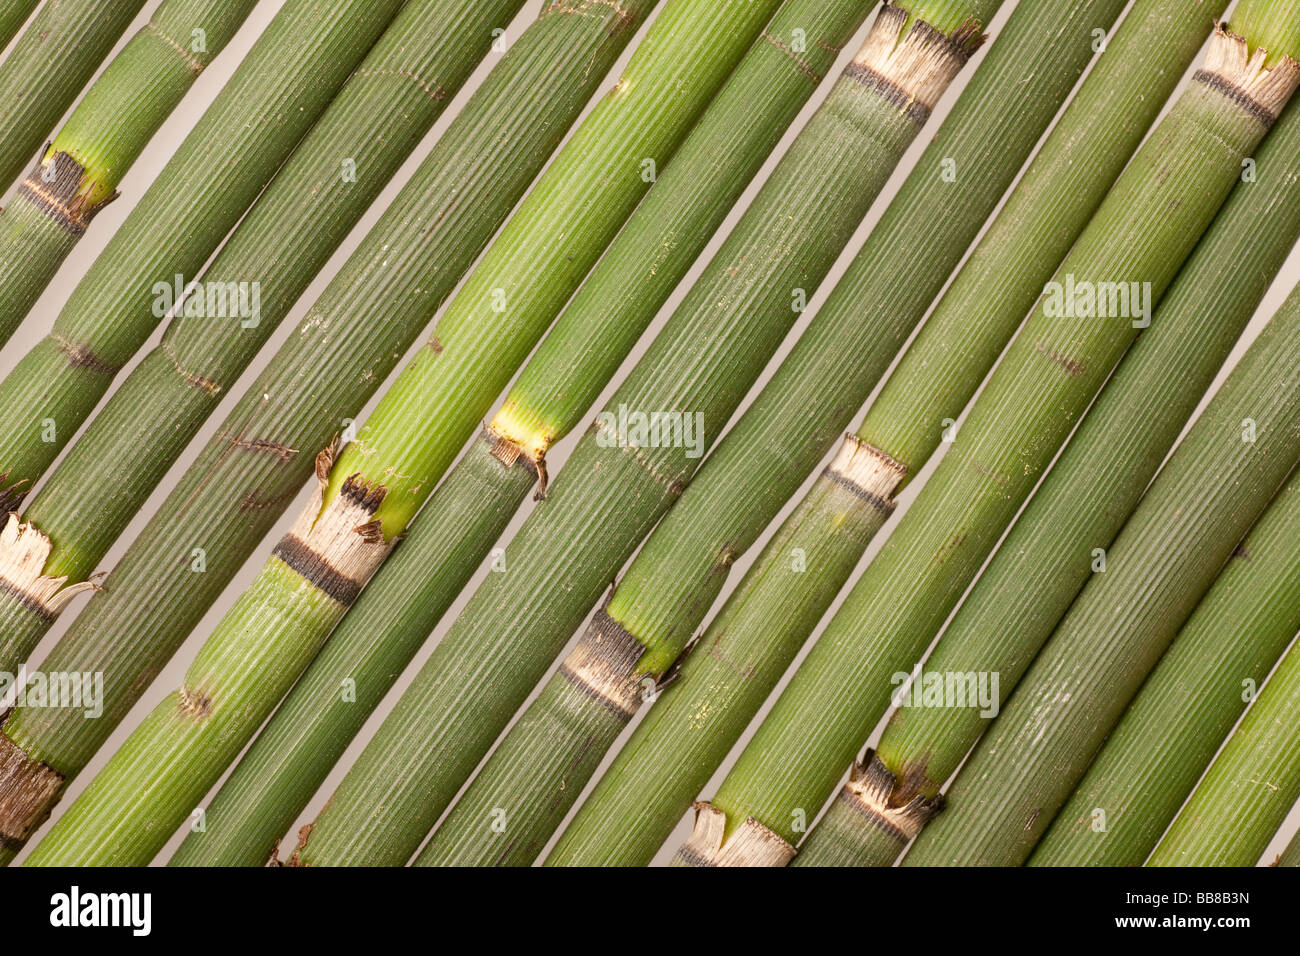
(666, 85)
(666, 592)
(1141, 233)
(275, 95)
(468, 512)
(58, 53)
(378, 117)
(251, 469)
(80, 170)
(702, 363)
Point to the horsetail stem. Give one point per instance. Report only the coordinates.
(308, 209)
(670, 585)
(1250, 787)
(471, 507)
(288, 79)
(414, 434)
(378, 303)
(1051, 549)
(1213, 488)
(58, 53)
(683, 566)
(321, 565)
(1143, 230)
(699, 367)
(13, 14)
(1189, 704)
(80, 170)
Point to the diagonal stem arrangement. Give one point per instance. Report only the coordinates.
(13, 14)
(49, 65)
(1249, 789)
(1052, 549)
(1141, 234)
(379, 116)
(279, 90)
(1213, 488)
(79, 172)
(449, 538)
(695, 373)
(320, 566)
(1170, 733)
(669, 587)
(682, 567)
(245, 477)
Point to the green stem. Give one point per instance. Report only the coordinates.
(617, 302)
(48, 67)
(340, 539)
(1249, 789)
(448, 540)
(1189, 704)
(13, 14)
(1144, 229)
(677, 575)
(1050, 551)
(379, 116)
(699, 368)
(288, 79)
(78, 174)
(415, 433)
(555, 746)
(378, 303)
(1185, 529)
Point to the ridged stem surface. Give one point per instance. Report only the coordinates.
(1052, 549)
(80, 170)
(452, 533)
(351, 339)
(1144, 229)
(1249, 789)
(13, 14)
(49, 65)
(616, 485)
(1189, 704)
(279, 90)
(669, 587)
(316, 571)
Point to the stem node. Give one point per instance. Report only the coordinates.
(1240, 74)
(874, 793)
(603, 666)
(28, 791)
(24, 551)
(751, 845)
